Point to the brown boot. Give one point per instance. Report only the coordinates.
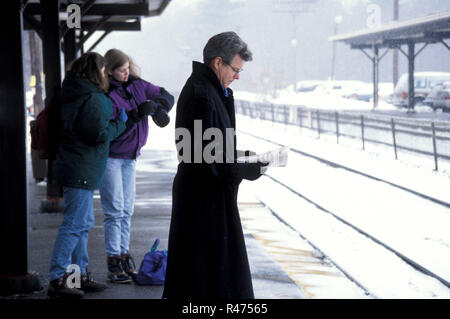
(128, 265)
(58, 289)
(116, 273)
(89, 285)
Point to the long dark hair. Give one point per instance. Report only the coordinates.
(89, 66)
(115, 58)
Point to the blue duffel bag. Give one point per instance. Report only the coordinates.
(153, 267)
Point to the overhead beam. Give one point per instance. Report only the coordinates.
(99, 40)
(393, 43)
(115, 26)
(132, 9)
(94, 27)
(161, 9)
(428, 29)
(31, 23)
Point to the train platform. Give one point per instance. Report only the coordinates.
(155, 172)
(283, 264)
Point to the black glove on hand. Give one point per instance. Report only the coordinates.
(240, 153)
(147, 108)
(161, 117)
(251, 171)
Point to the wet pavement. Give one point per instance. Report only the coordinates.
(155, 172)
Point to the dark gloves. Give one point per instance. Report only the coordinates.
(250, 171)
(165, 99)
(146, 108)
(161, 117)
(158, 109)
(155, 110)
(247, 153)
(165, 103)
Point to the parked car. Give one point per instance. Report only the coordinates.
(424, 82)
(359, 91)
(439, 97)
(342, 88)
(385, 92)
(308, 86)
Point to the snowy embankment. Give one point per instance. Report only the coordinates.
(322, 101)
(415, 227)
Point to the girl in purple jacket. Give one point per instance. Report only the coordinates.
(140, 99)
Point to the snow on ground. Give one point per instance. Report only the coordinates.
(315, 100)
(327, 101)
(414, 226)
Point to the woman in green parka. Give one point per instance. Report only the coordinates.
(86, 131)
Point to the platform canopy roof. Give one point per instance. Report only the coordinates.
(107, 15)
(432, 28)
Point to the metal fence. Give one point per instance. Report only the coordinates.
(426, 137)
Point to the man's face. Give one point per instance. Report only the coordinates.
(121, 73)
(227, 73)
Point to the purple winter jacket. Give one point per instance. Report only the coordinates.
(129, 95)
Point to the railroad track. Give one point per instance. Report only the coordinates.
(416, 265)
(337, 165)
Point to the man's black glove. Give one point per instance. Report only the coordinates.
(147, 108)
(161, 117)
(247, 153)
(250, 171)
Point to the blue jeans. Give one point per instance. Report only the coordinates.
(72, 239)
(117, 194)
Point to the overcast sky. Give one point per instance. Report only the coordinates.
(167, 45)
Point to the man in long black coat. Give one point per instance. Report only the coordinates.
(207, 254)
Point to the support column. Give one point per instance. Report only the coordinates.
(81, 45)
(376, 70)
(395, 51)
(51, 46)
(14, 277)
(52, 70)
(411, 58)
(70, 47)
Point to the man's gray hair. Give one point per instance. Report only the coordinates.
(226, 45)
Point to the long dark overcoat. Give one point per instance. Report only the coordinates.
(207, 254)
